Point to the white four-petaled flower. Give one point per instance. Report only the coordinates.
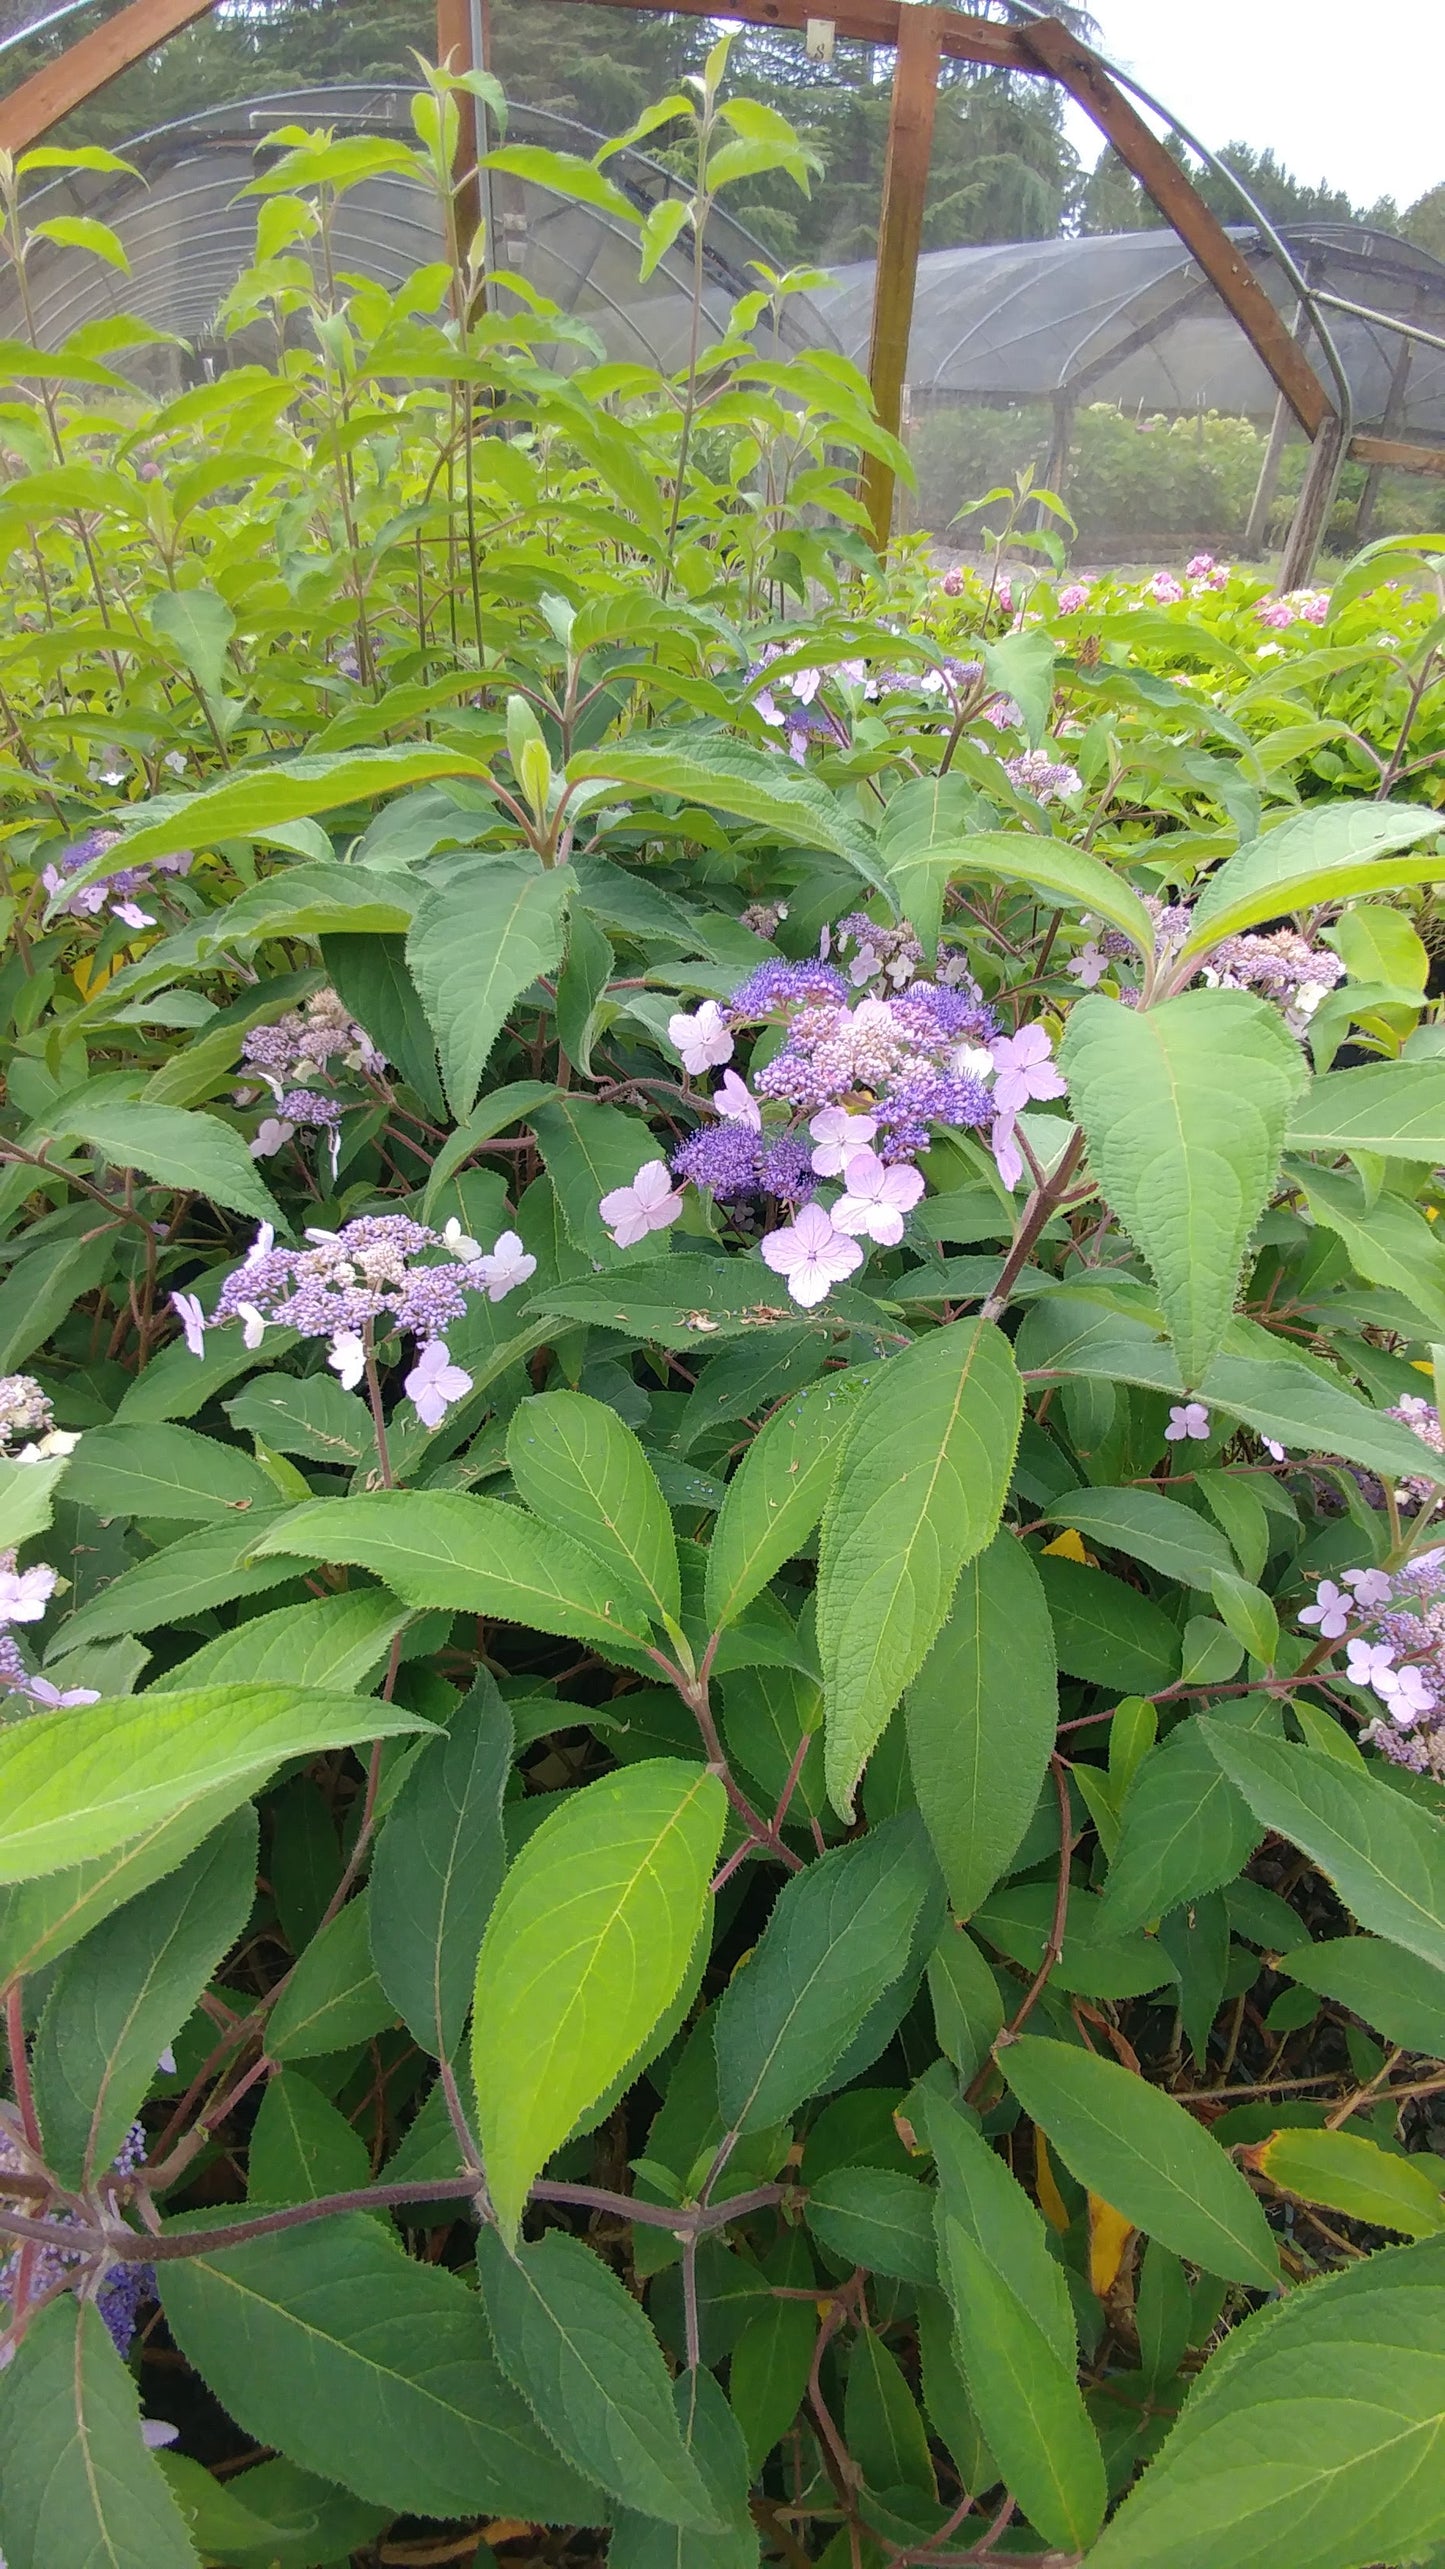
(458, 1242)
(734, 1101)
(1186, 1418)
(507, 1265)
(434, 1383)
(25, 1594)
(650, 1203)
(347, 1358)
(192, 1318)
(877, 1198)
(1331, 1610)
(703, 1039)
(837, 1135)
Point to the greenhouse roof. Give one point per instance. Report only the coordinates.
(1129, 317)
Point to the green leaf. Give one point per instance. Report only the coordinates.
(170, 1473)
(778, 1492)
(333, 1997)
(714, 2438)
(590, 1150)
(1348, 2375)
(1162, 1532)
(438, 1867)
(370, 2368)
(77, 2484)
(335, 1642)
(1184, 1110)
(254, 802)
(1132, 2145)
(41, 1920)
(882, 2428)
(200, 628)
(1067, 877)
(1027, 2400)
(838, 1939)
(503, 1106)
(581, 988)
(202, 1569)
(1384, 1855)
(583, 1472)
(1389, 1242)
(875, 2218)
(982, 1713)
(314, 1417)
(1324, 853)
(123, 1994)
(83, 232)
(472, 951)
(711, 769)
(78, 1784)
(1097, 1961)
(27, 1499)
(1247, 1614)
(768, 2373)
(288, 2518)
(1398, 1995)
(920, 1490)
(447, 1548)
(1395, 1108)
(580, 2351)
(564, 174)
(302, 2146)
(43, 1285)
(586, 1947)
(1105, 1631)
(1184, 1830)
(1356, 2177)
(370, 975)
(978, 2195)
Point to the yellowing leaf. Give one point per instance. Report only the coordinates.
(1109, 2236)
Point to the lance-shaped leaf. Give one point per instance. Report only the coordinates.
(576, 2345)
(371, 2368)
(197, 1153)
(838, 1940)
(1394, 1108)
(982, 1713)
(76, 2481)
(1356, 2177)
(1397, 1994)
(447, 1548)
(1350, 2375)
(168, 1472)
(473, 949)
(586, 1947)
(1384, 1855)
(712, 769)
(125, 1992)
(920, 1490)
(1027, 2400)
(1132, 2145)
(76, 1784)
(438, 1867)
(1184, 1110)
(1184, 1829)
(41, 1920)
(1067, 877)
(581, 1470)
(778, 1492)
(1324, 853)
(263, 796)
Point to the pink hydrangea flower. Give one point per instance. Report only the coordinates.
(734, 1101)
(1186, 1418)
(703, 1039)
(1371, 1663)
(1089, 966)
(1277, 613)
(25, 1594)
(507, 1266)
(837, 1135)
(650, 1203)
(187, 1309)
(1371, 1587)
(1025, 1068)
(60, 1699)
(1074, 596)
(1004, 599)
(812, 1254)
(877, 1199)
(1008, 1158)
(952, 583)
(1331, 1610)
(1408, 1693)
(1166, 589)
(434, 1383)
(1199, 566)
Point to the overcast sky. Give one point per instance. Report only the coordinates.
(1343, 92)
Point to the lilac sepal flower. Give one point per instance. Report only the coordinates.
(1407, 1692)
(1331, 1610)
(1025, 1069)
(507, 1266)
(272, 1135)
(1371, 1587)
(347, 1358)
(811, 1254)
(156, 2431)
(1186, 1418)
(434, 1383)
(838, 1136)
(1088, 966)
(188, 1311)
(458, 1241)
(877, 1200)
(1371, 1663)
(1008, 1158)
(650, 1203)
(59, 1699)
(734, 1101)
(702, 1040)
(25, 1594)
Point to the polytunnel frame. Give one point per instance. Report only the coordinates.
(921, 36)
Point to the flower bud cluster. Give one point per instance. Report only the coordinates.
(1393, 1626)
(25, 1411)
(114, 895)
(291, 1053)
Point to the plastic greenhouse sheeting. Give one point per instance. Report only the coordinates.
(1128, 317)
(189, 232)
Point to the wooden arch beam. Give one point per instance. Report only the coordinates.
(48, 95)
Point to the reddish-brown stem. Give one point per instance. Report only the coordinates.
(19, 2062)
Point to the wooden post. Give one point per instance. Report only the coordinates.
(462, 46)
(900, 234)
(1394, 412)
(1273, 458)
(1313, 505)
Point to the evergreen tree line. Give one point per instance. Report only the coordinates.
(1003, 167)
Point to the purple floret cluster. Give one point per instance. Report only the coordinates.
(1281, 966)
(118, 2291)
(114, 895)
(307, 1043)
(908, 1055)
